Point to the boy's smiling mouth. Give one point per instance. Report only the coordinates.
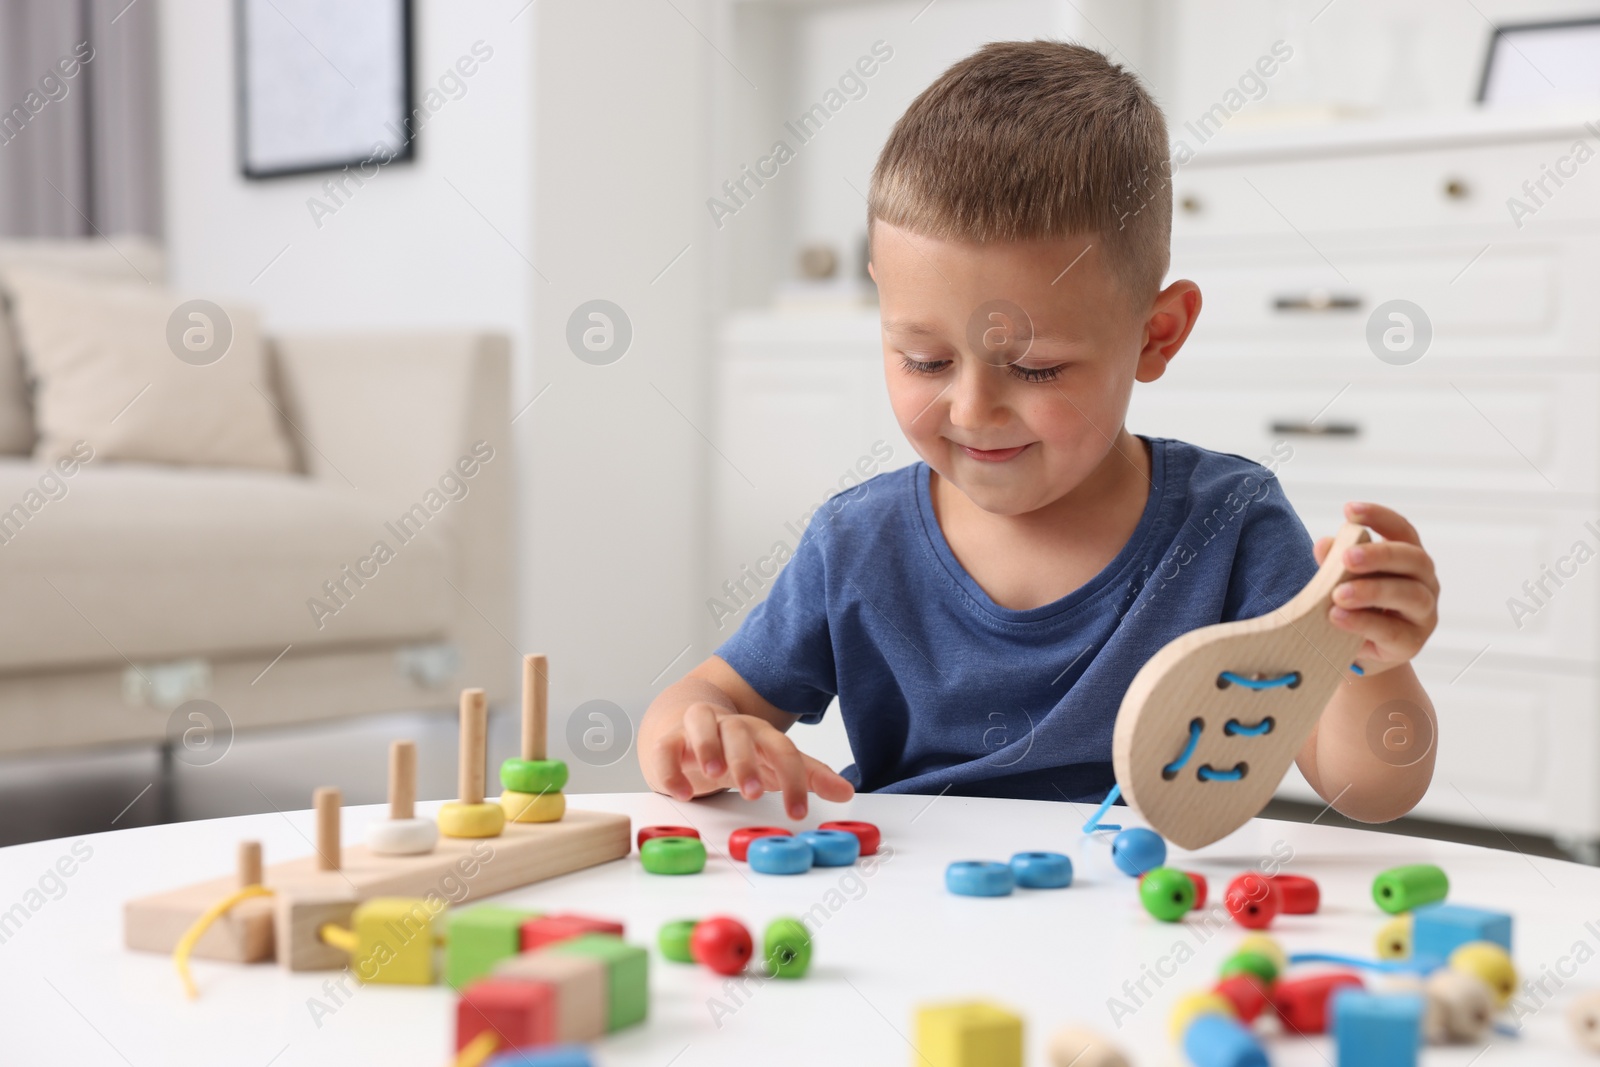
(993, 455)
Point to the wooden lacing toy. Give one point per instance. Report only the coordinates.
(1210, 725)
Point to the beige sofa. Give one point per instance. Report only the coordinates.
(134, 588)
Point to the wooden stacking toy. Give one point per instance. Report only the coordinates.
(307, 912)
(533, 783)
(1211, 723)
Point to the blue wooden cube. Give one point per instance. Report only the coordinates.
(1377, 1029)
(1439, 929)
(549, 1056)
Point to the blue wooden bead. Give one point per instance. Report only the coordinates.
(1138, 850)
(979, 878)
(779, 855)
(832, 848)
(1041, 870)
(1220, 1041)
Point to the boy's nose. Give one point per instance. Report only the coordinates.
(975, 399)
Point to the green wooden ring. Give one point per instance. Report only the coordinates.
(673, 855)
(533, 775)
(786, 946)
(674, 940)
(1250, 963)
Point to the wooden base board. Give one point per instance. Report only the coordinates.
(458, 869)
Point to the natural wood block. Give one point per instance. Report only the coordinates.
(297, 919)
(581, 990)
(525, 853)
(1181, 785)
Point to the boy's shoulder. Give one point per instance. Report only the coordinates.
(1204, 475)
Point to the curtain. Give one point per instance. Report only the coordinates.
(79, 118)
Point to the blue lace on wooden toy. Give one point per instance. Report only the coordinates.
(1206, 772)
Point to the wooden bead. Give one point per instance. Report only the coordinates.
(395, 940)
(739, 840)
(865, 832)
(648, 832)
(521, 1014)
(1394, 938)
(1041, 870)
(402, 837)
(1265, 945)
(1253, 901)
(1074, 1046)
(779, 855)
(1191, 1006)
(1302, 1003)
(1218, 1041)
(1166, 893)
(1300, 894)
(673, 940)
(457, 819)
(533, 807)
(533, 776)
(1199, 881)
(580, 986)
(1249, 995)
(1254, 963)
(1491, 964)
(831, 848)
(1404, 888)
(979, 878)
(1137, 850)
(1583, 1018)
(786, 948)
(1466, 1004)
(548, 929)
(673, 855)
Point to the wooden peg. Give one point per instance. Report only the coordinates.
(249, 864)
(474, 745)
(535, 704)
(327, 800)
(403, 780)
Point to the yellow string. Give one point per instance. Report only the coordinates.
(477, 1050)
(186, 943)
(339, 937)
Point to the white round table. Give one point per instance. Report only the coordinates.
(885, 943)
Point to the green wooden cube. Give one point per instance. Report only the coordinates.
(479, 937)
(627, 975)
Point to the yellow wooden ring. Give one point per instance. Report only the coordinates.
(533, 807)
(1191, 1006)
(471, 820)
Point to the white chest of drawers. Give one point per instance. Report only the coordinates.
(1489, 442)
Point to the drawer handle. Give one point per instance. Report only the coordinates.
(1311, 429)
(1317, 300)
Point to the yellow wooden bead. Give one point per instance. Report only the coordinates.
(1266, 946)
(1191, 1006)
(394, 941)
(471, 820)
(1492, 964)
(1394, 938)
(533, 807)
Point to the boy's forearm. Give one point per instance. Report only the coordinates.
(666, 714)
(1371, 756)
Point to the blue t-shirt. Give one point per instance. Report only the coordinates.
(942, 689)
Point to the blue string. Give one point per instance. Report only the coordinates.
(1234, 726)
(1195, 726)
(1383, 966)
(1207, 773)
(1099, 813)
(1357, 669)
(1261, 683)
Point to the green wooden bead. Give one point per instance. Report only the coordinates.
(786, 947)
(1250, 963)
(674, 940)
(1166, 893)
(1403, 889)
(536, 776)
(673, 855)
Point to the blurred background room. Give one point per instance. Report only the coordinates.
(350, 350)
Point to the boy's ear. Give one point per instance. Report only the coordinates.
(871, 273)
(1171, 318)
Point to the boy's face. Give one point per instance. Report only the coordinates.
(1010, 364)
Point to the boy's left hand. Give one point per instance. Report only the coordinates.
(1394, 600)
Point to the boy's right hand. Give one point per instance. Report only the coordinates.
(714, 747)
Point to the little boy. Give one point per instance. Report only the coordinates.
(980, 614)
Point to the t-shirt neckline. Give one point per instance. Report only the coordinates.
(1130, 552)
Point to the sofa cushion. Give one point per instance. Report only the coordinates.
(107, 563)
(131, 258)
(110, 366)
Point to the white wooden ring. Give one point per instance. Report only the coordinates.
(402, 837)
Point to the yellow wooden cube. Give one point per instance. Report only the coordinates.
(968, 1034)
(395, 941)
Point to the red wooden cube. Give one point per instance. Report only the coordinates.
(1302, 1003)
(521, 1014)
(647, 832)
(548, 929)
(739, 840)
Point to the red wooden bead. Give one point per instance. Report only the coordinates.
(739, 840)
(548, 929)
(1253, 901)
(865, 832)
(647, 832)
(721, 943)
(521, 1013)
(1300, 894)
(1302, 1003)
(1247, 993)
(1199, 881)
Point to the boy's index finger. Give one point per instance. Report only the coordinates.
(1385, 522)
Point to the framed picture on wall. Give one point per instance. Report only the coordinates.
(1542, 63)
(322, 85)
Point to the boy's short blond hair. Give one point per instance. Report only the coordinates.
(1034, 139)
